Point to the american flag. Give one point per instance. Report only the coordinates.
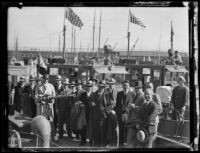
(135, 20)
(73, 18)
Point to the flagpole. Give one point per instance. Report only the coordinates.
(72, 39)
(128, 35)
(64, 29)
(93, 32)
(172, 35)
(99, 33)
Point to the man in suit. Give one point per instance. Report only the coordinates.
(99, 116)
(86, 98)
(147, 120)
(64, 109)
(58, 114)
(19, 90)
(124, 98)
(29, 104)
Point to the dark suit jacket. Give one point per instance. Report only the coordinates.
(101, 104)
(148, 114)
(86, 101)
(111, 97)
(122, 104)
(18, 97)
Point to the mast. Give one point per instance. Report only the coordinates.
(172, 38)
(99, 33)
(72, 39)
(64, 28)
(128, 35)
(93, 32)
(159, 46)
(59, 44)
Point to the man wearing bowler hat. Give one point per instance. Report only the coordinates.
(19, 90)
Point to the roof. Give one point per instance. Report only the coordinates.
(173, 68)
(115, 70)
(150, 53)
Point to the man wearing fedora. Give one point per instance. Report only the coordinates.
(99, 116)
(139, 99)
(124, 98)
(86, 98)
(29, 100)
(64, 109)
(58, 104)
(19, 90)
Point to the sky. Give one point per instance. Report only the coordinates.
(42, 27)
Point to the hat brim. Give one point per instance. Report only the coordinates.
(146, 136)
(101, 85)
(88, 85)
(22, 80)
(110, 82)
(66, 83)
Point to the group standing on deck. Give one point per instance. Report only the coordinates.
(97, 111)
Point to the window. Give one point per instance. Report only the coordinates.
(156, 74)
(135, 74)
(146, 71)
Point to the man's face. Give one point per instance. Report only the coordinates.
(125, 86)
(88, 88)
(111, 86)
(45, 80)
(32, 82)
(180, 81)
(22, 83)
(58, 82)
(148, 95)
(74, 88)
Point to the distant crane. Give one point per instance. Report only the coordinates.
(106, 41)
(115, 45)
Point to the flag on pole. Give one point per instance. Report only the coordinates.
(135, 20)
(73, 18)
(41, 66)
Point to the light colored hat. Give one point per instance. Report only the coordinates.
(142, 136)
(66, 81)
(182, 78)
(72, 84)
(89, 84)
(111, 81)
(22, 79)
(58, 77)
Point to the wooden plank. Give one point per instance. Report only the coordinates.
(19, 120)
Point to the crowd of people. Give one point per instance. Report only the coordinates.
(96, 110)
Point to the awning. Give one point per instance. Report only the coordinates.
(114, 70)
(17, 70)
(176, 69)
